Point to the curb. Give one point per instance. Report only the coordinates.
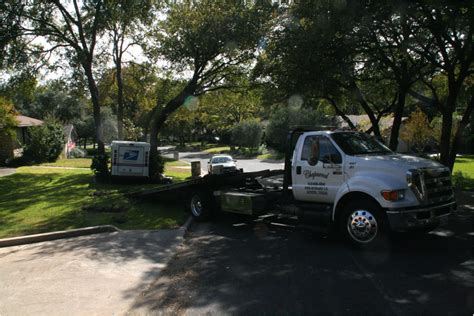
(29, 239)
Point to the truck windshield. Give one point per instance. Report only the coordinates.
(359, 144)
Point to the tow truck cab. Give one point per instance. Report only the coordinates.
(367, 188)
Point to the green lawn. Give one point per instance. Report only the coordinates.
(86, 163)
(271, 156)
(71, 163)
(218, 150)
(463, 172)
(35, 200)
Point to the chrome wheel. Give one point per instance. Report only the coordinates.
(362, 226)
(196, 206)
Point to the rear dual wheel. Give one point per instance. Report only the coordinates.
(200, 204)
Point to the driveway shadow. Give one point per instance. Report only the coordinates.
(237, 266)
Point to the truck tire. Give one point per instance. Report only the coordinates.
(200, 205)
(363, 225)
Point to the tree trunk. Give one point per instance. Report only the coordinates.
(159, 118)
(457, 138)
(397, 119)
(341, 113)
(445, 141)
(118, 73)
(96, 108)
(447, 126)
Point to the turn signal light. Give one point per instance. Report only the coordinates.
(394, 195)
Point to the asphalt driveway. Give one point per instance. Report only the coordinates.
(92, 275)
(241, 267)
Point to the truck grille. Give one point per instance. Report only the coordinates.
(431, 185)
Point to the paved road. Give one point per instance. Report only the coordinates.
(91, 275)
(236, 266)
(248, 165)
(6, 171)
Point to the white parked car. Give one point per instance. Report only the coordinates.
(221, 164)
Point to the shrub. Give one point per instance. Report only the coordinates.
(45, 143)
(247, 134)
(157, 166)
(100, 167)
(417, 132)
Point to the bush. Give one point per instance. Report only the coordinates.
(157, 166)
(417, 132)
(284, 119)
(100, 167)
(247, 134)
(45, 143)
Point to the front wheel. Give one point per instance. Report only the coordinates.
(362, 223)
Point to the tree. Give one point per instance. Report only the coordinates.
(385, 44)
(314, 52)
(445, 42)
(220, 110)
(210, 40)
(247, 134)
(284, 118)
(53, 101)
(139, 83)
(124, 19)
(74, 29)
(7, 118)
(85, 128)
(181, 125)
(13, 50)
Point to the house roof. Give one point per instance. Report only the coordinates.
(24, 121)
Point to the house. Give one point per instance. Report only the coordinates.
(11, 147)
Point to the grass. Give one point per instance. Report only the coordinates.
(218, 150)
(463, 172)
(70, 163)
(271, 156)
(178, 172)
(35, 200)
(86, 163)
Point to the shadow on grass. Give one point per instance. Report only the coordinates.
(462, 181)
(48, 201)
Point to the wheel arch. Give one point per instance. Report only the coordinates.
(346, 198)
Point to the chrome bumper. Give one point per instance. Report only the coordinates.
(420, 217)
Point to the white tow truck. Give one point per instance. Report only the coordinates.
(336, 181)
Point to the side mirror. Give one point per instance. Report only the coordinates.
(313, 160)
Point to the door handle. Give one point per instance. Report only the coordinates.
(298, 169)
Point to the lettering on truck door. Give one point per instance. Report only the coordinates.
(319, 172)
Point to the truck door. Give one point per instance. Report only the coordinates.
(318, 171)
